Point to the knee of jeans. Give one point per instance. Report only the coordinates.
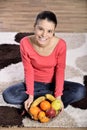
(6, 96)
(80, 92)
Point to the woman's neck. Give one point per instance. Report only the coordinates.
(46, 49)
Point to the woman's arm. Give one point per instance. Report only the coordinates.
(60, 69)
(28, 69)
(28, 74)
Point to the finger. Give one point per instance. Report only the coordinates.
(28, 106)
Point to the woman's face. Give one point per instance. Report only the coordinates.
(44, 31)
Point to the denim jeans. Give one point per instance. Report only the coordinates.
(72, 92)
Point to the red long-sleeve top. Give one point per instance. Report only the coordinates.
(43, 68)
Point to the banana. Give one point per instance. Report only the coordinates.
(50, 97)
(37, 101)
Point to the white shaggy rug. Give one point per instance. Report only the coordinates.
(75, 70)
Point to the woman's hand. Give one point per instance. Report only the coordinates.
(28, 102)
(62, 105)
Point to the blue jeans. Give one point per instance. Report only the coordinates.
(72, 92)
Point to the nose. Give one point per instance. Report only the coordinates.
(44, 33)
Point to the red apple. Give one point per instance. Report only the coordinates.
(51, 113)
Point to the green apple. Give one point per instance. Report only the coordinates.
(56, 104)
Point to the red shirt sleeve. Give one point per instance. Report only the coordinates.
(28, 69)
(60, 69)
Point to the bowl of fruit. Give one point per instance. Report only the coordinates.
(45, 108)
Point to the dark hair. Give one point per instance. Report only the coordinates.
(50, 16)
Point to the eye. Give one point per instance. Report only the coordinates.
(50, 31)
(40, 28)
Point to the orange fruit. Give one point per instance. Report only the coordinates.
(45, 105)
(44, 119)
(41, 115)
(35, 117)
(34, 111)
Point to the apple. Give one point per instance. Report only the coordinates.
(51, 113)
(56, 104)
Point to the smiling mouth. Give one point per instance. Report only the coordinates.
(42, 39)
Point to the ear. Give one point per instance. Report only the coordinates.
(19, 36)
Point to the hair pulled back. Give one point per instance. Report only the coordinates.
(50, 16)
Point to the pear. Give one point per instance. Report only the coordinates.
(56, 104)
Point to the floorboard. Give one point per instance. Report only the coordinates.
(71, 14)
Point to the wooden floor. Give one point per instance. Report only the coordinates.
(19, 15)
(43, 129)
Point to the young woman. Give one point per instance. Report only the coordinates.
(44, 60)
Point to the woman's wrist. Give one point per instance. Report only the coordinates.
(31, 96)
(59, 97)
